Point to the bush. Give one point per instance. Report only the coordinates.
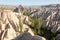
(36, 25)
(26, 13)
(21, 25)
(38, 29)
(47, 34)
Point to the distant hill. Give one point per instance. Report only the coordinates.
(51, 5)
(38, 6)
(7, 7)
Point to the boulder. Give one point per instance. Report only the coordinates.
(36, 37)
(58, 37)
(24, 36)
(27, 36)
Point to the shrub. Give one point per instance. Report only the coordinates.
(36, 25)
(21, 25)
(38, 29)
(26, 13)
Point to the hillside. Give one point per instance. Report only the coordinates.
(30, 23)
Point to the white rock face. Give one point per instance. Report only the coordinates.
(9, 25)
(52, 21)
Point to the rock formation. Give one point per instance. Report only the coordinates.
(50, 17)
(24, 36)
(27, 36)
(58, 37)
(36, 37)
(9, 24)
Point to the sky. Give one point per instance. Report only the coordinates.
(28, 2)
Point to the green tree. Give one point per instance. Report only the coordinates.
(38, 29)
(21, 25)
(36, 25)
(26, 13)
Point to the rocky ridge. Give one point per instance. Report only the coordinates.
(9, 24)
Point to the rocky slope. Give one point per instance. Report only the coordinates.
(9, 25)
(50, 17)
